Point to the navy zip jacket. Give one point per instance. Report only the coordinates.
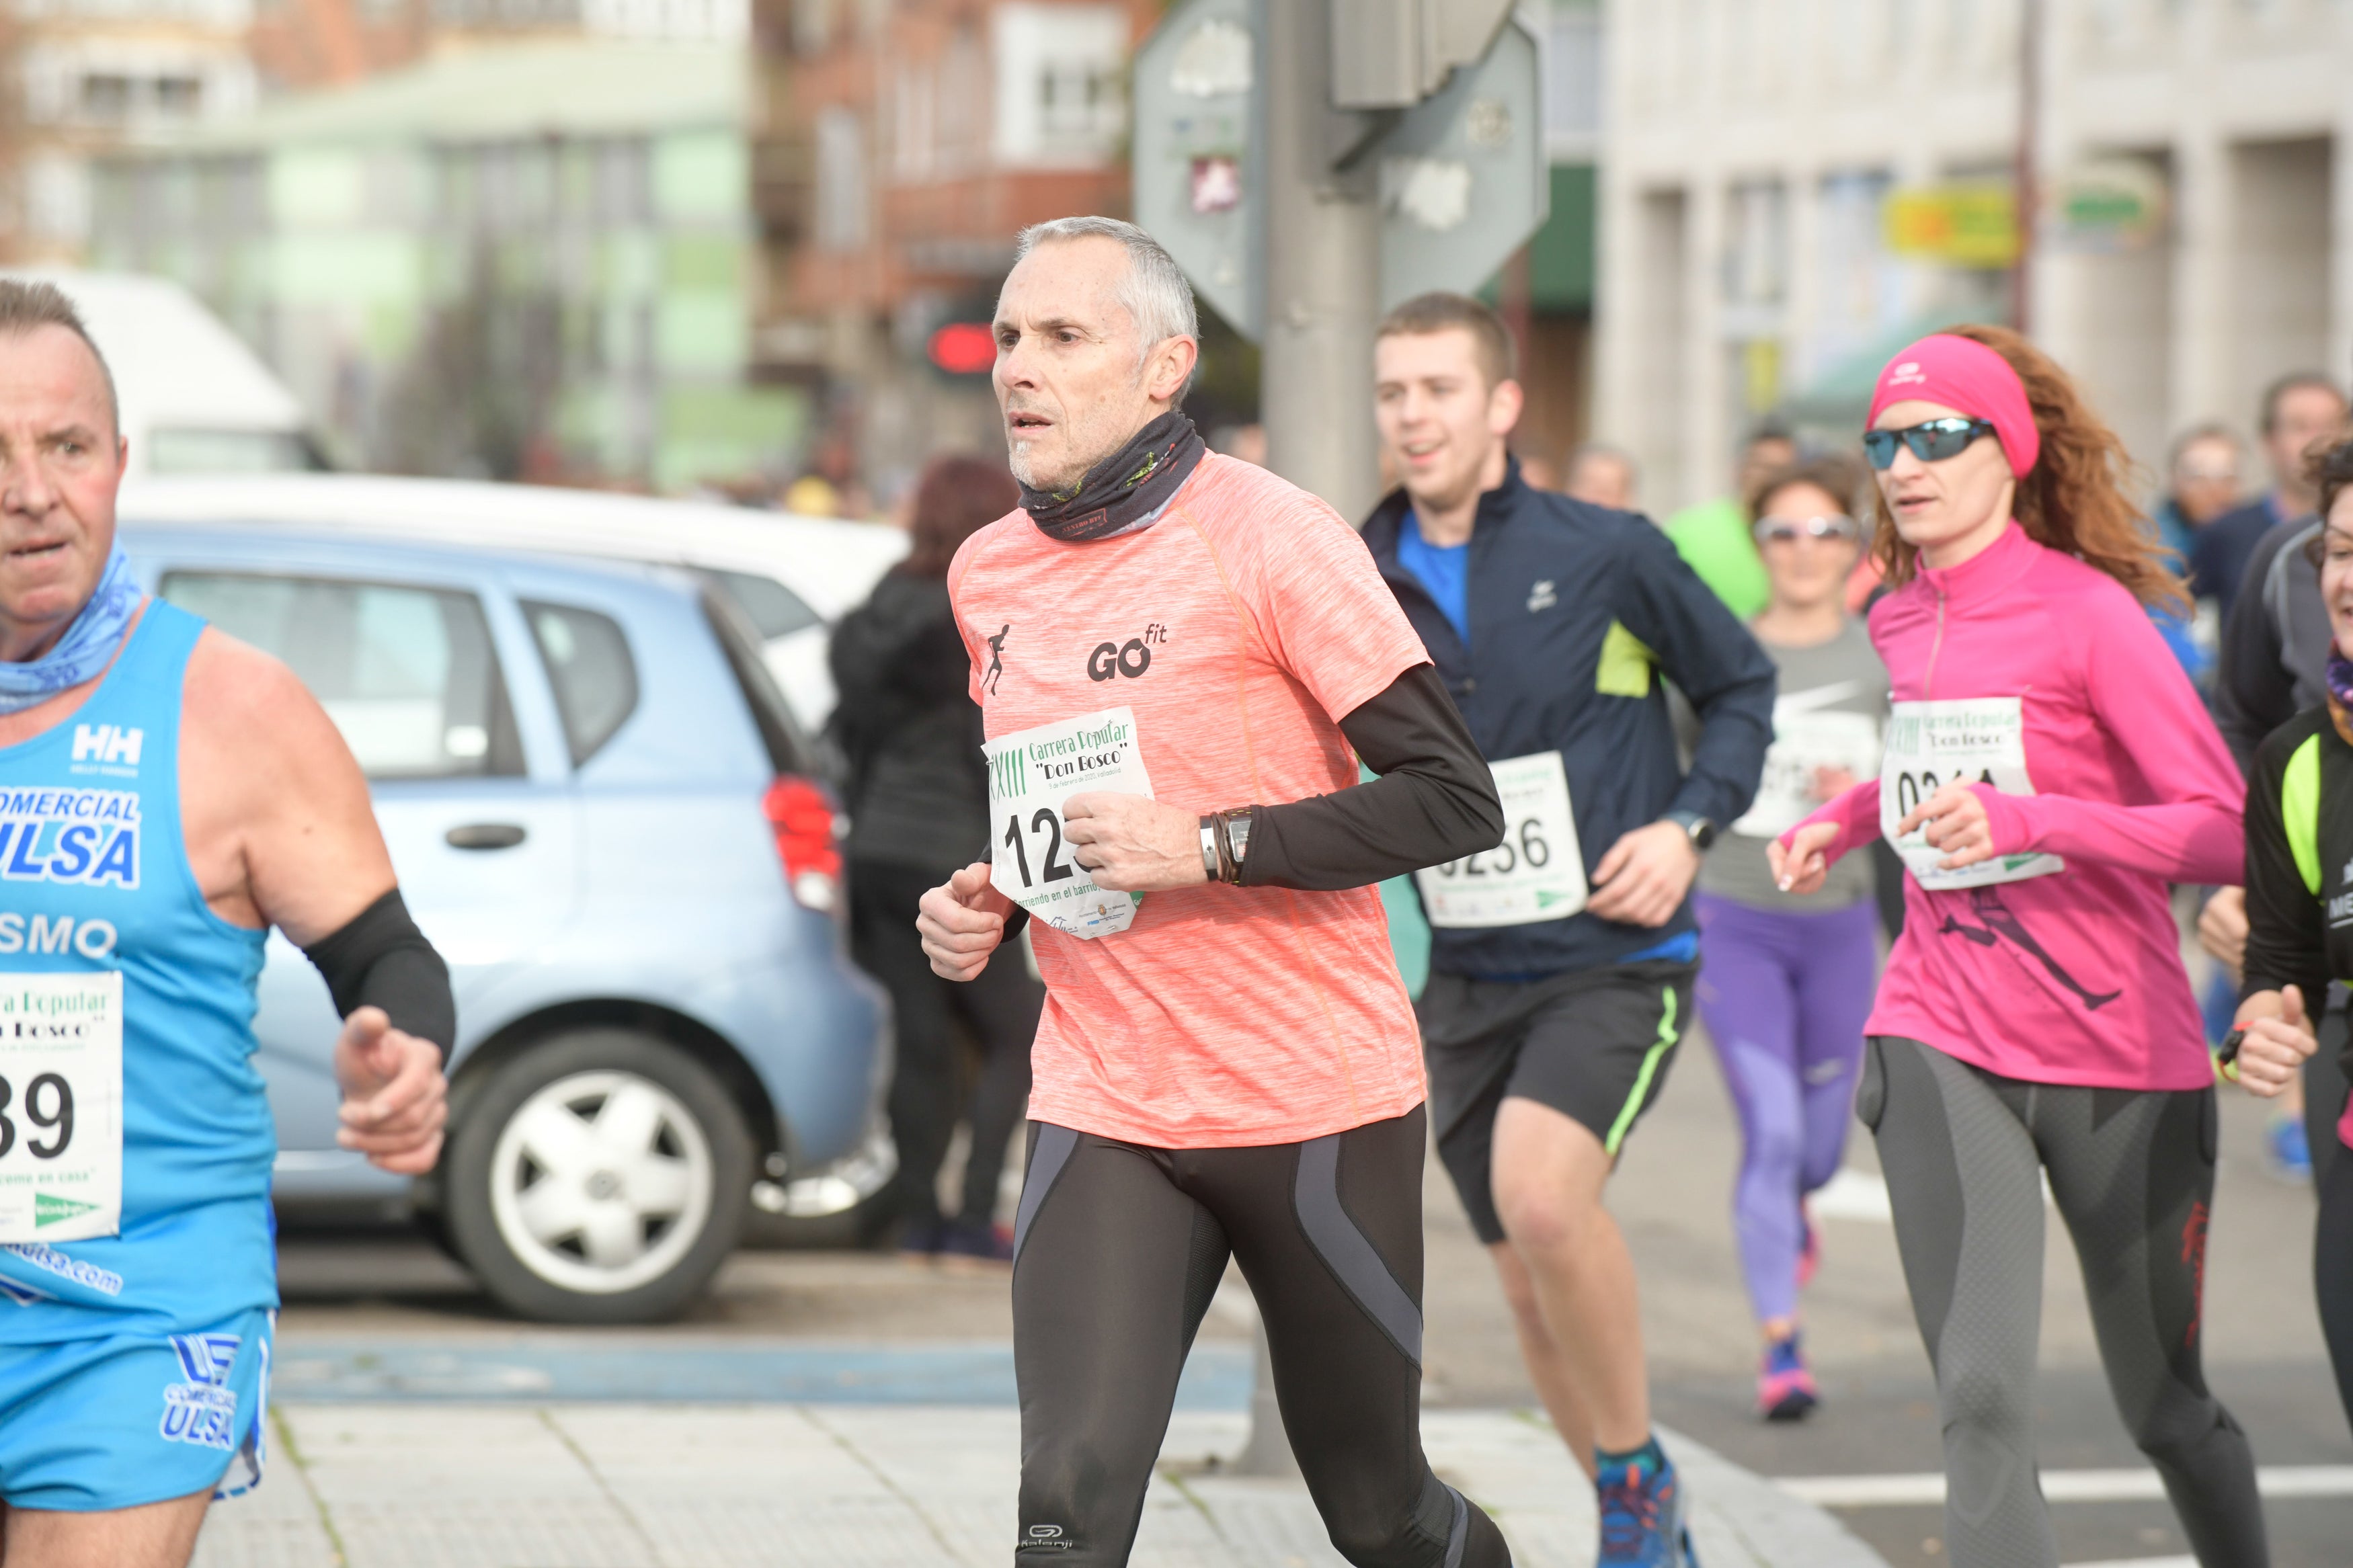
(1574, 610)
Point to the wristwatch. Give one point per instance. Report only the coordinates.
(1701, 830)
(1235, 826)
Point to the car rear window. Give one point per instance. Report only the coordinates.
(788, 750)
(588, 664)
(408, 674)
(774, 610)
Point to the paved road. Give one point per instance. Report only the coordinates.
(2263, 1343)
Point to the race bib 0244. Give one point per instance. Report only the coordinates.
(1031, 774)
(1977, 739)
(60, 1105)
(1536, 873)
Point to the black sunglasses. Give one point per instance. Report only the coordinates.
(1931, 442)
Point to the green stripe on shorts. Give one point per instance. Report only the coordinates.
(1633, 1106)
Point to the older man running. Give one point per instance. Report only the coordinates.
(167, 795)
(1190, 655)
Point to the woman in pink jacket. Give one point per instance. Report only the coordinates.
(2048, 772)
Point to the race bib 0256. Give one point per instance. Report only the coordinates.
(1031, 774)
(60, 1105)
(1536, 873)
(1977, 740)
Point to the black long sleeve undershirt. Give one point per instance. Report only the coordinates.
(1433, 802)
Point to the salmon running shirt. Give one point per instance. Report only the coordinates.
(1239, 627)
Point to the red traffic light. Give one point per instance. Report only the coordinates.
(963, 348)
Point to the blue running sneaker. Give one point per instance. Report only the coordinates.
(1644, 1516)
(2290, 1152)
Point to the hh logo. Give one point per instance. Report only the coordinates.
(1130, 659)
(108, 743)
(1541, 596)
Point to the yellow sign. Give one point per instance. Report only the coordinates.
(1963, 226)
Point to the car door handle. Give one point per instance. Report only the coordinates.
(485, 836)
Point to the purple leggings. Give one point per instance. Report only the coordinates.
(1784, 997)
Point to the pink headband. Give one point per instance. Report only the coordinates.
(1969, 378)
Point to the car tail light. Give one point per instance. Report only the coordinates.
(807, 841)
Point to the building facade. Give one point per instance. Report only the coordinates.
(99, 75)
(528, 261)
(899, 148)
(1769, 161)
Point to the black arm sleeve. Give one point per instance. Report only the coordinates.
(2286, 928)
(1433, 802)
(2254, 693)
(381, 959)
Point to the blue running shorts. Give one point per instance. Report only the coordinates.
(135, 1418)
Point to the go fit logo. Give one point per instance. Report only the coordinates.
(1130, 659)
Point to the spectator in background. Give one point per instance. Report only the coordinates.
(2300, 411)
(1713, 537)
(918, 800)
(1603, 475)
(2201, 484)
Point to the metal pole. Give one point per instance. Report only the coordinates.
(1321, 273)
(2028, 188)
(1315, 394)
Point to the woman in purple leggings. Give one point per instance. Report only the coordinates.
(1785, 983)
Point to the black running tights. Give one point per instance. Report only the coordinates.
(2333, 1265)
(2133, 1175)
(1118, 1251)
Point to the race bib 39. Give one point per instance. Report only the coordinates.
(60, 1105)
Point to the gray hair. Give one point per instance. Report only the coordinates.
(1153, 292)
(1600, 451)
(26, 305)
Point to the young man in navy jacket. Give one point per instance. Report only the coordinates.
(1562, 960)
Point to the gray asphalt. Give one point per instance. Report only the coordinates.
(1673, 1193)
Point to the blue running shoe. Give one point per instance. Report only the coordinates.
(2290, 1152)
(1644, 1516)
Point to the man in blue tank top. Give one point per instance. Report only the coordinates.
(167, 795)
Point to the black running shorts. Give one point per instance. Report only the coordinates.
(1593, 1044)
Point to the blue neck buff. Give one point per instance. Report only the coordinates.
(86, 647)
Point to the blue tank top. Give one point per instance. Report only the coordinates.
(195, 1245)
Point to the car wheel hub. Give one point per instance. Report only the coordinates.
(602, 1182)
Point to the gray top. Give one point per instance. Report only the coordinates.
(1830, 711)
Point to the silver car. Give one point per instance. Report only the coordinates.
(607, 820)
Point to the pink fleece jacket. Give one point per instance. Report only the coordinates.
(2073, 977)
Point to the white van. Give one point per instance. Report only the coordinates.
(195, 400)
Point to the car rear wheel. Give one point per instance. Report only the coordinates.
(600, 1176)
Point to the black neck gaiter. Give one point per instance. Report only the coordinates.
(1125, 489)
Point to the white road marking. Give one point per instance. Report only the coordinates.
(1863, 1194)
(1926, 1486)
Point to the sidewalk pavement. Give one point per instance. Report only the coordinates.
(613, 1485)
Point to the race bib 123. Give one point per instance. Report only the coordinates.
(1031, 774)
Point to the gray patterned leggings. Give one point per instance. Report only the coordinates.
(2133, 1175)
